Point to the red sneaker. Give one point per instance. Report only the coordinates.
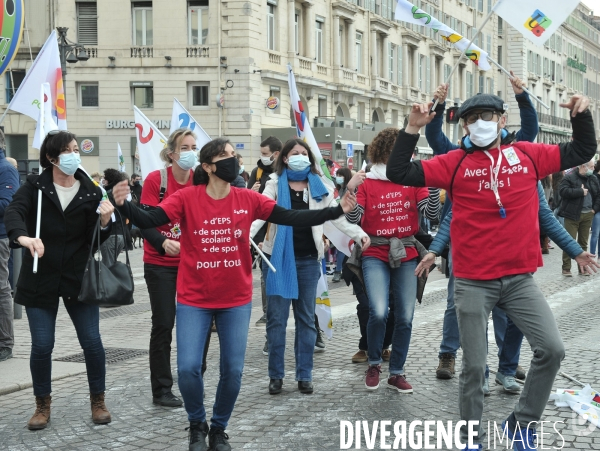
(399, 382)
(372, 378)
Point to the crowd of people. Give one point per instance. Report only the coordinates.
(198, 214)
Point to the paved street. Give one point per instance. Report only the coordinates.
(290, 421)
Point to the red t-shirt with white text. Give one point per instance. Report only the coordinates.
(390, 212)
(172, 231)
(477, 226)
(216, 265)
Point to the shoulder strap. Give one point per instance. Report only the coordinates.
(163, 184)
(449, 192)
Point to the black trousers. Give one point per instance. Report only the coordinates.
(162, 288)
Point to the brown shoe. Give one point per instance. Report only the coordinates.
(360, 357)
(386, 354)
(41, 417)
(445, 369)
(100, 414)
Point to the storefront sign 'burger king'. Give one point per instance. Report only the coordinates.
(272, 103)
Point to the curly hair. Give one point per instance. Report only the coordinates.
(381, 146)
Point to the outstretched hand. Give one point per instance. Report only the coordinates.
(425, 264)
(419, 116)
(120, 192)
(587, 263)
(577, 104)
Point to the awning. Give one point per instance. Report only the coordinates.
(325, 146)
(357, 145)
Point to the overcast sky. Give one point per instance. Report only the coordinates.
(594, 4)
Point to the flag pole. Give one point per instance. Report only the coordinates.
(37, 229)
(491, 60)
(262, 255)
(465, 50)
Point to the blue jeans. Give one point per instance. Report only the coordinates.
(42, 325)
(594, 247)
(193, 328)
(378, 277)
(339, 260)
(508, 339)
(450, 336)
(278, 311)
(559, 218)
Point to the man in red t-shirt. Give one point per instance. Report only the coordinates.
(495, 207)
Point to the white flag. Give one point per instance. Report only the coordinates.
(323, 307)
(537, 20)
(303, 129)
(150, 141)
(407, 12)
(342, 242)
(121, 159)
(181, 118)
(45, 69)
(45, 122)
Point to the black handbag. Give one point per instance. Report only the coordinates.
(106, 286)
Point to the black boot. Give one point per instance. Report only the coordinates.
(217, 440)
(275, 386)
(198, 433)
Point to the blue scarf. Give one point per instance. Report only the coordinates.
(284, 282)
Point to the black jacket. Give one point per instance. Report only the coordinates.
(264, 178)
(572, 194)
(66, 236)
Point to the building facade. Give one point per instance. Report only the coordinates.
(357, 69)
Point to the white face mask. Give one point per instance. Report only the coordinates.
(266, 161)
(483, 133)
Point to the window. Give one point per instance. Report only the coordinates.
(297, 32)
(322, 105)
(480, 6)
(143, 96)
(447, 70)
(501, 26)
(197, 22)
(399, 65)
(421, 80)
(481, 84)
(530, 61)
(358, 57)
(489, 8)
(88, 95)
(319, 41)
(271, 27)
(489, 45)
(87, 23)
(391, 50)
(199, 93)
(469, 84)
(14, 78)
(142, 23)
(500, 55)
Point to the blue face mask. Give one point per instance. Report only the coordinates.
(298, 162)
(339, 181)
(241, 169)
(187, 160)
(69, 162)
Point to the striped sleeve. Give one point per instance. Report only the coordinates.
(355, 215)
(430, 206)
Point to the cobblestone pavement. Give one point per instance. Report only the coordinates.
(292, 421)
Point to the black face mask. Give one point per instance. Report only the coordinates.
(227, 169)
(136, 183)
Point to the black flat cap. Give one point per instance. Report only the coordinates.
(481, 102)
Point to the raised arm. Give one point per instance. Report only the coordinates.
(438, 141)
(529, 120)
(582, 147)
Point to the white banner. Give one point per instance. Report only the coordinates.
(323, 307)
(181, 118)
(407, 12)
(537, 20)
(150, 141)
(45, 122)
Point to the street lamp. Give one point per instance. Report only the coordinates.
(70, 52)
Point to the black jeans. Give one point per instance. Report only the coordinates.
(162, 288)
(362, 311)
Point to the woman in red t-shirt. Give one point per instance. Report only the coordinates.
(215, 227)
(389, 213)
(161, 259)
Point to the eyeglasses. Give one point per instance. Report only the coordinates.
(484, 115)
